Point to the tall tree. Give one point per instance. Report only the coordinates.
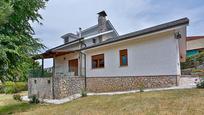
(16, 41)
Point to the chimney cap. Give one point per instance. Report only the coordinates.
(102, 13)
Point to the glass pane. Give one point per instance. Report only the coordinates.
(124, 60)
(101, 63)
(94, 63)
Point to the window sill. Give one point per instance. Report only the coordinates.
(97, 68)
(123, 66)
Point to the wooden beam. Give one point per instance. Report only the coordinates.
(42, 67)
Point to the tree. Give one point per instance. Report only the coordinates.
(16, 42)
(5, 11)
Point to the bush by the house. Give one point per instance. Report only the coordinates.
(141, 87)
(200, 84)
(12, 87)
(193, 61)
(9, 88)
(34, 99)
(1, 88)
(17, 97)
(21, 86)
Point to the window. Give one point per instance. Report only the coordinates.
(98, 61)
(66, 39)
(94, 40)
(48, 81)
(123, 57)
(100, 38)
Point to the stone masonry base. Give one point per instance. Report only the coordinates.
(62, 87)
(110, 84)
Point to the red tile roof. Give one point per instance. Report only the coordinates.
(189, 38)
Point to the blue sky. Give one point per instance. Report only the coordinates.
(64, 16)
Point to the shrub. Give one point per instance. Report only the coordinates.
(12, 87)
(141, 87)
(193, 61)
(9, 88)
(21, 86)
(17, 97)
(83, 93)
(200, 84)
(1, 88)
(34, 99)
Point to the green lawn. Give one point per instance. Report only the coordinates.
(182, 102)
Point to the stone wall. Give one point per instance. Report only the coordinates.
(42, 87)
(109, 84)
(66, 86)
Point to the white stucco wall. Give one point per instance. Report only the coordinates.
(61, 63)
(154, 55)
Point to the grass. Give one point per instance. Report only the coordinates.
(8, 105)
(182, 102)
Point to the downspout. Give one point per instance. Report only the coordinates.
(85, 83)
(42, 68)
(53, 75)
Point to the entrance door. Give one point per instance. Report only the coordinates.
(73, 66)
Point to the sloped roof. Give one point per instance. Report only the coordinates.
(92, 28)
(153, 29)
(189, 38)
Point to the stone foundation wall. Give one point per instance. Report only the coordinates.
(109, 84)
(66, 86)
(42, 87)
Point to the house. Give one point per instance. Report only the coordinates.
(97, 59)
(195, 44)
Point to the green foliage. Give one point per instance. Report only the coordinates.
(16, 42)
(12, 87)
(17, 97)
(200, 84)
(1, 88)
(34, 99)
(21, 86)
(193, 61)
(141, 87)
(9, 88)
(5, 11)
(36, 71)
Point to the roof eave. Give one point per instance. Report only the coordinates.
(173, 24)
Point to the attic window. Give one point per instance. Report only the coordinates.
(94, 40)
(66, 39)
(100, 38)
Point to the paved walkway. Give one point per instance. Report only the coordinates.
(184, 83)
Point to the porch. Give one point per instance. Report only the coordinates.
(67, 78)
(66, 63)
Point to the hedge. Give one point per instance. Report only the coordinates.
(13, 87)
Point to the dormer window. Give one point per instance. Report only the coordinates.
(66, 39)
(100, 38)
(94, 40)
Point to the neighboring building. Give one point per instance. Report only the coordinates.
(99, 60)
(195, 44)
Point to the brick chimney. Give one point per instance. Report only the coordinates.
(102, 22)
